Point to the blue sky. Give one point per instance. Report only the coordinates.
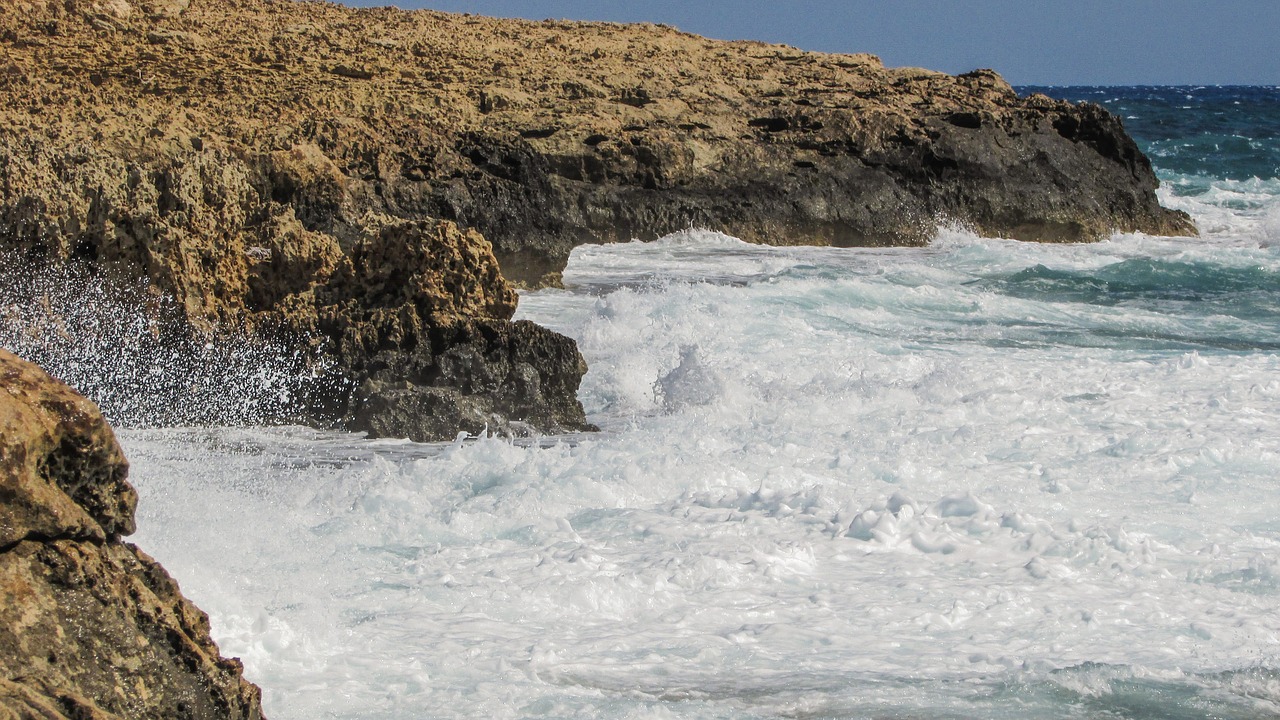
(1052, 42)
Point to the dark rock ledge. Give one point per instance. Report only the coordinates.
(356, 176)
(90, 626)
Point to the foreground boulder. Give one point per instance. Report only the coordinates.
(246, 156)
(90, 627)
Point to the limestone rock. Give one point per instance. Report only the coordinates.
(63, 473)
(475, 376)
(446, 274)
(164, 8)
(543, 135)
(90, 627)
(209, 228)
(255, 159)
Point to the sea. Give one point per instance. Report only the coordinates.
(980, 479)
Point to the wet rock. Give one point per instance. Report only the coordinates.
(265, 246)
(475, 377)
(90, 627)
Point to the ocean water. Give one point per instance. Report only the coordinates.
(983, 479)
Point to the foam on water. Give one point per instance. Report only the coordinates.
(984, 479)
(831, 483)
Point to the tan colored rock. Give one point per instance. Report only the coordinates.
(90, 627)
(116, 9)
(242, 156)
(444, 273)
(543, 135)
(62, 474)
(164, 8)
(224, 238)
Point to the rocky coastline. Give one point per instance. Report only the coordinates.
(90, 626)
(365, 183)
(368, 187)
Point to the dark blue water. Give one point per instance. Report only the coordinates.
(1228, 132)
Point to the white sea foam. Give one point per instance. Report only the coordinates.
(1228, 211)
(830, 483)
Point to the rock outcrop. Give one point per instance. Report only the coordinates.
(90, 627)
(284, 165)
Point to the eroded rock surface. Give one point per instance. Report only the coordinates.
(250, 156)
(90, 627)
(387, 301)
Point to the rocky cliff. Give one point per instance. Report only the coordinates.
(339, 174)
(90, 627)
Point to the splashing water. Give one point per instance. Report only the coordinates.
(985, 479)
(117, 343)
